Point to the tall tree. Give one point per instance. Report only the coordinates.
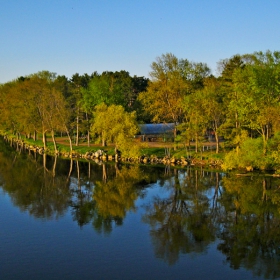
(78, 83)
(111, 88)
(213, 107)
(227, 68)
(9, 106)
(258, 88)
(194, 110)
(171, 80)
(33, 94)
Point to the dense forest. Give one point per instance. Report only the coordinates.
(241, 105)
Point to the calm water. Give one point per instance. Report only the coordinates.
(79, 220)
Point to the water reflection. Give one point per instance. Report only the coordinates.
(115, 197)
(106, 199)
(241, 214)
(32, 186)
(250, 237)
(183, 222)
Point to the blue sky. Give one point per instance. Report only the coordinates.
(83, 36)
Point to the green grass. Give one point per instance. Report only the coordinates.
(147, 151)
(84, 149)
(159, 152)
(180, 153)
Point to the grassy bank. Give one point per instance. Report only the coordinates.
(148, 150)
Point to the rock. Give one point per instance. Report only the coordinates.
(249, 168)
(98, 153)
(145, 160)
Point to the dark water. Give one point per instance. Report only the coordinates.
(78, 220)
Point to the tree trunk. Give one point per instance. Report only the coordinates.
(175, 132)
(44, 139)
(88, 129)
(196, 143)
(236, 120)
(77, 128)
(217, 142)
(103, 140)
(264, 144)
(88, 138)
(54, 142)
(70, 140)
(103, 143)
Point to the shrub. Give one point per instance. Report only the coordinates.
(249, 155)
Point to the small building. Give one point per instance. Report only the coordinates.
(156, 132)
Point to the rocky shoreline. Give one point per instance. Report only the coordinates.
(101, 155)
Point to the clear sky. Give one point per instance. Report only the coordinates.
(83, 36)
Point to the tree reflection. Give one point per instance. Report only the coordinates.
(105, 195)
(83, 208)
(46, 187)
(242, 213)
(251, 231)
(116, 196)
(32, 186)
(182, 222)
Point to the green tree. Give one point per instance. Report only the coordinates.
(112, 124)
(165, 91)
(227, 68)
(195, 120)
(38, 95)
(9, 106)
(213, 107)
(258, 88)
(63, 84)
(171, 80)
(34, 104)
(110, 88)
(78, 84)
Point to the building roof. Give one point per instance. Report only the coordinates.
(158, 128)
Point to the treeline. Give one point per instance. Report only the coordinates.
(241, 105)
(44, 103)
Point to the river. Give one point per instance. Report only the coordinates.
(63, 219)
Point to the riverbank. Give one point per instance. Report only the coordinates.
(150, 152)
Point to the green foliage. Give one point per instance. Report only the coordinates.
(113, 125)
(172, 79)
(116, 88)
(244, 99)
(274, 152)
(250, 155)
